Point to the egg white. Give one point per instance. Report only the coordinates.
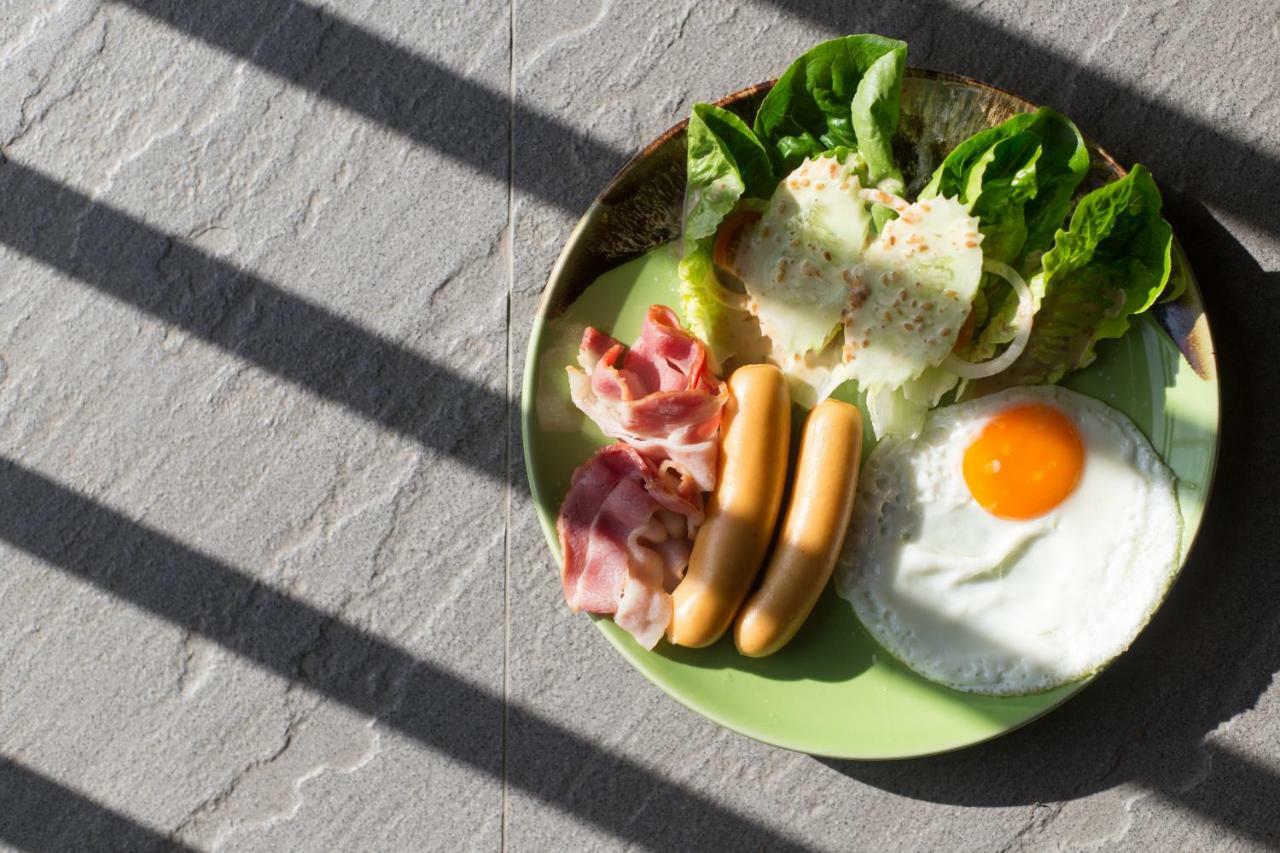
(1010, 607)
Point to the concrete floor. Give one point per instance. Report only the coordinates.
(272, 580)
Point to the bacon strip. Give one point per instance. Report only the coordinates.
(659, 396)
(626, 528)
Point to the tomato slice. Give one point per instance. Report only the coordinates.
(729, 236)
(966, 332)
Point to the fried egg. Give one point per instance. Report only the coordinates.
(1020, 542)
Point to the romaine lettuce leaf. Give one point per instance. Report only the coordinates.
(1063, 163)
(716, 314)
(874, 114)
(1017, 178)
(702, 299)
(1111, 263)
(725, 162)
(843, 92)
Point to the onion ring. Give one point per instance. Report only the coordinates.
(1022, 320)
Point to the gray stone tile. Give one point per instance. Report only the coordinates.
(253, 389)
(265, 328)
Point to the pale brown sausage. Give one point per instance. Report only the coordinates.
(814, 528)
(730, 546)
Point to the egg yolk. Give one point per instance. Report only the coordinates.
(1026, 461)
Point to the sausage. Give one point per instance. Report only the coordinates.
(812, 532)
(755, 433)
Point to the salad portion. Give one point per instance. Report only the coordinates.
(801, 248)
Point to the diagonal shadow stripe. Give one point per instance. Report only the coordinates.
(37, 813)
(1239, 795)
(244, 314)
(408, 93)
(300, 642)
(1181, 149)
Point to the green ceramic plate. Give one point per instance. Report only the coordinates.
(833, 691)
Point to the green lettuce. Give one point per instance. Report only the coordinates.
(702, 300)
(1018, 179)
(843, 92)
(725, 162)
(1111, 263)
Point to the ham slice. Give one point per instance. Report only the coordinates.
(626, 530)
(660, 396)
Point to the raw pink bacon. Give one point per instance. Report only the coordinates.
(626, 529)
(660, 396)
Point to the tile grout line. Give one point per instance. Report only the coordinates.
(506, 534)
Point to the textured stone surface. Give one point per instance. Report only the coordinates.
(272, 580)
